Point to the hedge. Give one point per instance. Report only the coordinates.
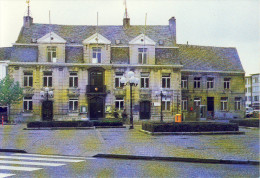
(189, 127)
(246, 122)
(108, 122)
(59, 124)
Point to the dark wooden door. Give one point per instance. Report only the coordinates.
(145, 110)
(210, 104)
(47, 110)
(96, 108)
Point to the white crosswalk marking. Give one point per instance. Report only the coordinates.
(2, 175)
(41, 159)
(50, 156)
(16, 168)
(30, 163)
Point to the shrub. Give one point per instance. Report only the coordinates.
(246, 122)
(108, 122)
(189, 127)
(59, 124)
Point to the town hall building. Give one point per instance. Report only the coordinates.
(70, 72)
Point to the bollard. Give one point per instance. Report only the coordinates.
(178, 118)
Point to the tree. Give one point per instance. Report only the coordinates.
(10, 92)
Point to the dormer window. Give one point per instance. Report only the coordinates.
(142, 55)
(96, 55)
(51, 50)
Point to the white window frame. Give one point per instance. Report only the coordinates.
(144, 80)
(95, 53)
(29, 77)
(27, 100)
(118, 84)
(224, 104)
(237, 104)
(120, 101)
(166, 101)
(210, 82)
(75, 105)
(197, 101)
(142, 55)
(74, 77)
(184, 82)
(184, 104)
(197, 82)
(48, 76)
(227, 83)
(167, 80)
(52, 54)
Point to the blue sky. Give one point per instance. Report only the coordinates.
(226, 23)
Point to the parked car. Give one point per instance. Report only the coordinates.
(249, 112)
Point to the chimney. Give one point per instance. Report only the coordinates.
(126, 23)
(27, 21)
(172, 25)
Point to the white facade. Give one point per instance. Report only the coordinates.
(3, 69)
(252, 92)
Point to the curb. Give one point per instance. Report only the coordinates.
(60, 128)
(193, 133)
(12, 150)
(97, 127)
(178, 159)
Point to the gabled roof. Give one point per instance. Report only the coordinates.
(51, 38)
(96, 38)
(75, 34)
(5, 53)
(142, 40)
(209, 58)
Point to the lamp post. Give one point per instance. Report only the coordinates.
(46, 93)
(162, 94)
(132, 81)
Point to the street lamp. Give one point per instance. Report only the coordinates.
(46, 93)
(132, 81)
(162, 94)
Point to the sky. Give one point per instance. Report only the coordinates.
(222, 23)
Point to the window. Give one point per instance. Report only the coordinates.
(226, 83)
(47, 79)
(196, 82)
(144, 80)
(166, 104)
(119, 103)
(28, 79)
(210, 82)
(249, 90)
(256, 89)
(249, 98)
(51, 50)
(73, 80)
(27, 104)
(184, 104)
(237, 103)
(166, 80)
(96, 55)
(196, 102)
(184, 82)
(142, 55)
(73, 105)
(118, 84)
(223, 103)
(256, 98)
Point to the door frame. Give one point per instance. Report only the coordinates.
(103, 105)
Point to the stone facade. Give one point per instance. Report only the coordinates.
(83, 74)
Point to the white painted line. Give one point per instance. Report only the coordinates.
(50, 156)
(41, 159)
(31, 163)
(2, 175)
(15, 168)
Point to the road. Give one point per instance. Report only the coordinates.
(36, 165)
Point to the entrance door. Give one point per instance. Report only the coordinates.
(96, 78)
(145, 110)
(3, 112)
(96, 108)
(210, 106)
(47, 110)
